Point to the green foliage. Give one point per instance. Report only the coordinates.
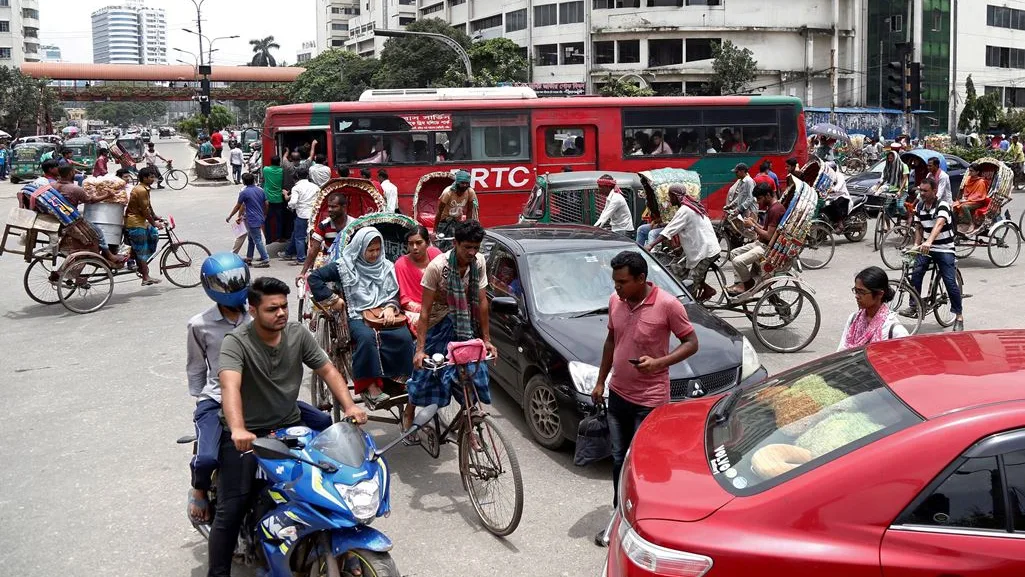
(966, 121)
(334, 75)
(25, 103)
(971, 153)
(418, 62)
(988, 109)
(261, 51)
(220, 117)
(127, 112)
(616, 86)
(734, 67)
(1014, 120)
(494, 61)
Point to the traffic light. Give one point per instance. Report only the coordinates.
(895, 85)
(204, 96)
(915, 85)
(204, 105)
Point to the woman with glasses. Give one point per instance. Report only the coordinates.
(873, 321)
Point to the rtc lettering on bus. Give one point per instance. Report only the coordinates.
(484, 178)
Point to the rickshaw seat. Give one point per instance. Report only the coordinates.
(30, 223)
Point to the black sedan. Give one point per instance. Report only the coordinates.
(550, 287)
(861, 184)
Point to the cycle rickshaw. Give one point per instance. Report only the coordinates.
(425, 197)
(485, 456)
(997, 232)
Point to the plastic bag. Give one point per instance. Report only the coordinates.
(593, 441)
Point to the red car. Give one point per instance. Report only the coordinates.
(906, 458)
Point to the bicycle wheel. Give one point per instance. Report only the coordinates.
(41, 279)
(491, 475)
(319, 396)
(883, 224)
(85, 285)
(964, 247)
(186, 260)
(819, 246)
(898, 238)
(906, 299)
(176, 179)
(778, 322)
(1004, 244)
(719, 283)
(941, 300)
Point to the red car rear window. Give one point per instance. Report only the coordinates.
(786, 426)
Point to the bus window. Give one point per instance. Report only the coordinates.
(394, 139)
(300, 141)
(743, 129)
(564, 142)
(484, 136)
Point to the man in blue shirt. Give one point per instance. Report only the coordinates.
(3, 161)
(252, 206)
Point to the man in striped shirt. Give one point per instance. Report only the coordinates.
(934, 238)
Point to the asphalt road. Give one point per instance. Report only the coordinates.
(94, 483)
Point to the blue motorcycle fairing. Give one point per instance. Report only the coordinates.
(362, 537)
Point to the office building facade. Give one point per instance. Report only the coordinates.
(131, 33)
(19, 32)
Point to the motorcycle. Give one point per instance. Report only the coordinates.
(855, 224)
(323, 491)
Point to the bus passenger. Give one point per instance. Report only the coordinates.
(378, 155)
(659, 146)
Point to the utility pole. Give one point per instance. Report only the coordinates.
(834, 54)
(952, 119)
(880, 134)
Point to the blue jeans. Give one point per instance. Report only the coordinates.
(647, 234)
(256, 240)
(236, 173)
(207, 420)
(298, 243)
(3, 170)
(624, 420)
(946, 262)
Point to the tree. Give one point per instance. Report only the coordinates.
(220, 117)
(26, 104)
(418, 62)
(494, 61)
(734, 67)
(126, 112)
(966, 121)
(261, 51)
(334, 75)
(988, 109)
(1014, 120)
(616, 86)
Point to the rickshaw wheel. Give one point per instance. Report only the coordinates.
(819, 246)
(1004, 244)
(778, 322)
(41, 279)
(965, 246)
(318, 398)
(85, 284)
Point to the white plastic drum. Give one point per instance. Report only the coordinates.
(109, 217)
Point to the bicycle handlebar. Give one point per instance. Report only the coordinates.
(431, 364)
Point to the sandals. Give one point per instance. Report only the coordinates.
(372, 401)
(150, 282)
(200, 503)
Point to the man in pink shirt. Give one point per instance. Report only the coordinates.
(641, 318)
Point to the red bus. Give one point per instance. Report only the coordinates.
(504, 136)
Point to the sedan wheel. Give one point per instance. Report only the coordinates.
(541, 408)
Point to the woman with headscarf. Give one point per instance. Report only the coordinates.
(383, 345)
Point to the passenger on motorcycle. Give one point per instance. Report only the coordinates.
(261, 371)
(838, 201)
(696, 234)
(225, 278)
(455, 308)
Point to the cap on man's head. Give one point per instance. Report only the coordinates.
(740, 166)
(896, 146)
(462, 177)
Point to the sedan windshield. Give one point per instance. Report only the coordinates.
(574, 283)
(789, 425)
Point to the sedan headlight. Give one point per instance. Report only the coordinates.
(363, 499)
(750, 363)
(584, 377)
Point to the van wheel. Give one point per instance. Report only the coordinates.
(15, 180)
(541, 408)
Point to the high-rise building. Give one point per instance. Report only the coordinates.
(991, 48)
(49, 53)
(131, 33)
(333, 22)
(306, 52)
(19, 32)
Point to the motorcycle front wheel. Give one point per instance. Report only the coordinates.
(371, 564)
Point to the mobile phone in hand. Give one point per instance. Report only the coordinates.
(635, 361)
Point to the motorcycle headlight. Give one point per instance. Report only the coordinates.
(584, 377)
(750, 363)
(363, 499)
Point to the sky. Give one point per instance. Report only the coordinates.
(67, 24)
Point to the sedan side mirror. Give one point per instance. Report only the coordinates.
(505, 305)
(272, 449)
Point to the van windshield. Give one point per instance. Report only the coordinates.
(786, 426)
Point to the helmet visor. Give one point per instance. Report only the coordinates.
(227, 281)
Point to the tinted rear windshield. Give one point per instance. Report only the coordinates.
(784, 427)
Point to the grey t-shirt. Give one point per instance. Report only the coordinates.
(271, 376)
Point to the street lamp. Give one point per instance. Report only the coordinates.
(209, 43)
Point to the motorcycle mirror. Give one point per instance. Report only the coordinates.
(272, 449)
(424, 415)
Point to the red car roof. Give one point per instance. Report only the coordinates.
(937, 374)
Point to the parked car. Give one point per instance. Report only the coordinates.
(165, 132)
(905, 458)
(550, 286)
(861, 184)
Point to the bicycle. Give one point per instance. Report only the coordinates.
(175, 178)
(938, 301)
(887, 217)
(486, 458)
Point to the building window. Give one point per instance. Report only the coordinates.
(604, 4)
(30, 13)
(5, 26)
(1014, 97)
(547, 54)
(697, 88)
(896, 23)
(629, 51)
(350, 11)
(665, 3)
(665, 52)
(1002, 17)
(432, 9)
(609, 4)
(485, 23)
(604, 52)
(937, 21)
(546, 15)
(571, 12)
(406, 20)
(342, 27)
(701, 48)
(456, 2)
(666, 88)
(516, 20)
(5, 3)
(337, 42)
(1003, 57)
(5, 53)
(407, 2)
(704, 2)
(573, 53)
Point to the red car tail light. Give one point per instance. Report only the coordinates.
(627, 545)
